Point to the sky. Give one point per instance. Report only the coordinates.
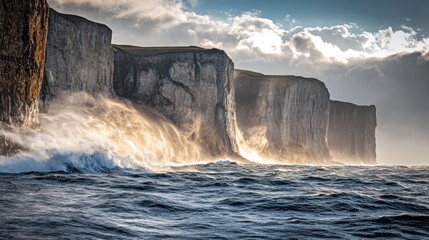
(366, 51)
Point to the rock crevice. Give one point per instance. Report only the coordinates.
(79, 57)
(192, 87)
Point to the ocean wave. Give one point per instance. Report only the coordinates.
(97, 134)
(96, 162)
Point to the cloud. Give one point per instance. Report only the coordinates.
(339, 44)
(256, 34)
(166, 13)
(290, 21)
(398, 86)
(174, 22)
(339, 35)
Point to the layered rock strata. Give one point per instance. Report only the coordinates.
(23, 29)
(79, 57)
(192, 87)
(282, 118)
(351, 135)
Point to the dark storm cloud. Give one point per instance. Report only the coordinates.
(398, 85)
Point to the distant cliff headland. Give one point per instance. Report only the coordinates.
(227, 112)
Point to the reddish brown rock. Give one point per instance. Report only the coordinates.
(23, 29)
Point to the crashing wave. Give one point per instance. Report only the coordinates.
(96, 134)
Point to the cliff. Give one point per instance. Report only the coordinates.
(282, 118)
(351, 135)
(79, 57)
(24, 28)
(191, 86)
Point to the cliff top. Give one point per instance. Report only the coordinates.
(249, 75)
(76, 19)
(145, 51)
(348, 104)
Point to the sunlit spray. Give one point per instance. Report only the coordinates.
(92, 132)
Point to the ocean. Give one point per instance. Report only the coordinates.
(218, 200)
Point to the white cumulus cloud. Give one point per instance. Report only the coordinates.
(174, 22)
(163, 12)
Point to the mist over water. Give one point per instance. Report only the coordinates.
(99, 134)
(96, 134)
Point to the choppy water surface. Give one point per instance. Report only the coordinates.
(218, 201)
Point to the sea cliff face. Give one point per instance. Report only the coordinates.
(282, 118)
(79, 57)
(192, 87)
(23, 28)
(351, 135)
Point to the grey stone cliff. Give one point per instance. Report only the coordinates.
(23, 33)
(192, 87)
(79, 57)
(351, 135)
(283, 118)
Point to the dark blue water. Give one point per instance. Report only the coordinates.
(218, 201)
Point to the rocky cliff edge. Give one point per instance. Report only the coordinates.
(351, 135)
(191, 86)
(282, 118)
(79, 57)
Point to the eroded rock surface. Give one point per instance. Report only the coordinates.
(79, 57)
(282, 118)
(192, 87)
(23, 33)
(351, 135)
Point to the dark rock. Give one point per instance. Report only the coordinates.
(351, 135)
(23, 29)
(282, 118)
(191, 86)
(79, 57)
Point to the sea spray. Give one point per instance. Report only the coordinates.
(256, 148)
(97, 133)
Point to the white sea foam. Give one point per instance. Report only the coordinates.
(97, 134)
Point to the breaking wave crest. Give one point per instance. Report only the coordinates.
(96, 134)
